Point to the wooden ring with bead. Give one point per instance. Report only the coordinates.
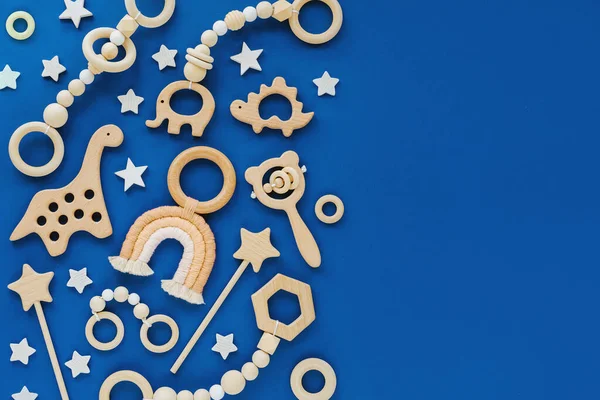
(15, 155)
(125, 376)
(98, 60)
(294, 177)
(320, 38)
(339, 212)
(313, 364)
(104, 346)
(164, 347)
(206, 153)
(280, 177)
(10, 25)
(150, 22)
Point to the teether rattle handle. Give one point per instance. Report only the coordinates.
(304, 239)
(51, 352)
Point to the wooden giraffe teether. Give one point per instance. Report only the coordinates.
(58, 213)
(248, 112)
(287, 179)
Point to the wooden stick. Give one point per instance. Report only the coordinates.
(51, 352)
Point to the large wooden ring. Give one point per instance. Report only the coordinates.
(95, 343)
(98, 60)
(159, 348)
(339, 209)
(313, 364)
(207, 153)
(320, 38)
(15, 155)
(150, 22)
(125, 376)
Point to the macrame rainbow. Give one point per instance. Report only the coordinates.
(183, 225)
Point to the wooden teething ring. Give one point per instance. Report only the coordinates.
(207, 153)
(313, 364)
(339, 209)
(95, 343)
(164, 347)
(125, 376)
(336, 24)
(10, 25)
(101, 63)
(15, 156)
(150, 22)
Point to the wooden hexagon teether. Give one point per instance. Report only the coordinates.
(56, 214)
(248, 112)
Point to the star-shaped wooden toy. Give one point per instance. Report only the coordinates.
(256, 248)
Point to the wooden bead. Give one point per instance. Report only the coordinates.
(209, 38)
(185, 395)
(268, 343)
(117, 38)
(250, 14)
(233, 382)
(216, 392)
(76, 87)
(109, 51)
(250, 371)
(194, 73)
(55, 115)
(235, 20)
(264, 9)
(141, 311)
(261, 359)
(282, 10)
(127, 26)
(65, 98)
(97, 304)
(133, 299)
(201, 394)
(220, 27)
(165, 393)
(86, 77)
(121, 294)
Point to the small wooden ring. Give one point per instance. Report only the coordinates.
(15, 155)
(200, 55)
(95, 343)
(198, 62)
(207, 153)
(313, 364)
(150, 22)
(339, 212)
(98, 60)
(287, 182)
(125, 376)
(294, 177)
(10, 25)
(336, 24)
(159, 348)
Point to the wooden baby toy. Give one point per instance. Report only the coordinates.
(287, 179)
(56, 214)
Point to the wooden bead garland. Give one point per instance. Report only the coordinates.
(56, 115)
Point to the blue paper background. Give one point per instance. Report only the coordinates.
(463, 141)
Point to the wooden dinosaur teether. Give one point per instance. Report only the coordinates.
(248, 112)
(58, 213)
(287, 179)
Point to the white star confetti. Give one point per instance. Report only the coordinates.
(78, 364)
(247, 59)
(132, 175)
(79, 279)
(224, 345)
(21, 351)
(52, 68)
(24, 394)
(165, 57)
(75, 10)
(326, 84)
(8, 78)
(130, 102)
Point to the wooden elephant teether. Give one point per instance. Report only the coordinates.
(58, 213)
(248, 112)
(198, 121)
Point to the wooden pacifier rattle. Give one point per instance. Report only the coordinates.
(182, 223)
(287, 180)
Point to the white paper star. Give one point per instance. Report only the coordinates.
(52, 68)
(79, 279)
(132, 174)
(165, 57)
(326, 84)
(8, 78)
(224, 345)
(130, 102)
(24, 394)
(75, 11)
(21, 351)
(247, 59)
(78, 364)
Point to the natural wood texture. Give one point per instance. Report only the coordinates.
(304, 239)
(33, 288)
(104, 346)
(235, 20)
(198, 121)
(255, 248)
(313, 364)
(15, 155)
(260, 300)
(248, 112)
(164, 347)
(233, 382)
(58, 213)
(127, 26)
(205, 153)
(98, 60)
(320, 38)
(339, 212)
(126, 376)
(282, 10)
(150, 22)
(268, 343)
